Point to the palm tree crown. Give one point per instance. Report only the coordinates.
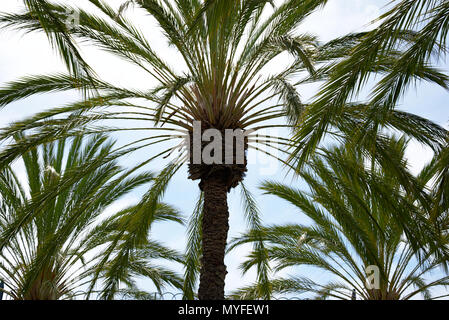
(60, 250)
(355, 237)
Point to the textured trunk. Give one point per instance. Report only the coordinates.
(215, 231)
(217, 178)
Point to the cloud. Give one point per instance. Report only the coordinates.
(341, 17)
(418, 156)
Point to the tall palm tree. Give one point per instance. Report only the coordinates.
(226, 47)
(60, 251)
(354, 236)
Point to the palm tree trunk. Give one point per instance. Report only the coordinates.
(215, 226)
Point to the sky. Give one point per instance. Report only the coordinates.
(30, 55)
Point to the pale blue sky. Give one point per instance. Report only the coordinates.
(29, 54)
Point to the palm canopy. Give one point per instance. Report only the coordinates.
(60, 250)
(352, 207)
(414, 30)
(223, 86)
(226, 47)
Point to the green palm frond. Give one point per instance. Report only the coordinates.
(193, 250)
(407, 38)
(51, 250)
(354, 208)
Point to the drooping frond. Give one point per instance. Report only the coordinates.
(354, 227)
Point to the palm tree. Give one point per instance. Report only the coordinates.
(413, 30)
(226, 48)
(354, 237)
(65, 249)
